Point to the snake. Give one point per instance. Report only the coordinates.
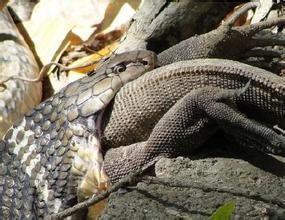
(16, 97)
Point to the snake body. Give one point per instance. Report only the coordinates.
(58, 142)
(16, 97)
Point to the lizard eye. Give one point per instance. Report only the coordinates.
(120, 68)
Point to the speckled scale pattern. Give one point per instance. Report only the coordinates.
(226, 41)
(189, 124)
(45, 149)
(50, 141)
(190, 53)
(39, 151)
(134, 116)
(16, 59)
(16, 186)
(169, 137)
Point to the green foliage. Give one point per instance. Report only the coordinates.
(224, 212)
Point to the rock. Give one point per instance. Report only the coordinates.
(196, 187)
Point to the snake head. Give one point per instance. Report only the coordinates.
(128, 66)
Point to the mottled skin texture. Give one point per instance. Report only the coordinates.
(224, 42)
(153, 94)
(134, 116)
(52, 157)
(189, 124)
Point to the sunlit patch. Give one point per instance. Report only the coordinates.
(88, 164)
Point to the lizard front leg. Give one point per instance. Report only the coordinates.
(186, 126)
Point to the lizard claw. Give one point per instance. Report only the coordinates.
(280, 149)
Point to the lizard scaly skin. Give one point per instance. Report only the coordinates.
(189, 124)
(134, 116)
(226, 41)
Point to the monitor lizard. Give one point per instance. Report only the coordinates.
(140, 105)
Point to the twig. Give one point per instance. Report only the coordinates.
(43, 71)
(32, 80)
(277, 128)
(254, 28)
(95, 198)
(246, 7)
(207, 188)
(128, 180)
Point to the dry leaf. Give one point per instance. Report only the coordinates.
(243, 19)
(95, 210)
(52, 21)
(77, 73)
(56, 25)
(93, 58)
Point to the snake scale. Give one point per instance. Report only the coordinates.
(53, 156)
(17, 97)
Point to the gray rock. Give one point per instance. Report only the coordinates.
(197, 187)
